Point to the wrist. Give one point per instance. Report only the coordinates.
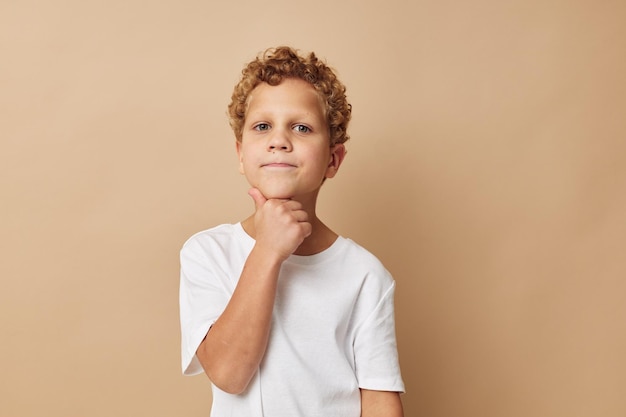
(267, 256)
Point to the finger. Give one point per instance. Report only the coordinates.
(300, 215)
(259, 199)
(292, 205)
(306, 228)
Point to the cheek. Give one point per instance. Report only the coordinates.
(245, 164)
(325, 157)
(245, 159)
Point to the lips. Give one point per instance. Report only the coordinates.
(278, 165)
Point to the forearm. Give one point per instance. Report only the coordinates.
(235, 345)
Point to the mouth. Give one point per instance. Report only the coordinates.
(277, 165)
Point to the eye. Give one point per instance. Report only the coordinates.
(302, 129)
(261, 127)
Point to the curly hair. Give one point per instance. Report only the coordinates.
(276, 64)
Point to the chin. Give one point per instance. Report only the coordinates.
(274, 192)
(283, 193)
(277, 195)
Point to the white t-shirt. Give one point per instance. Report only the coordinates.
(332, 330)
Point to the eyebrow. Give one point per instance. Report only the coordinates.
(295, 115)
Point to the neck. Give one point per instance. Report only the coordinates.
(321, 238)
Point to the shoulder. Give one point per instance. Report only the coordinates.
(376, 286)
(217, 234)
(361, 262)
(223, 241)
(366, 259)
(219, 251)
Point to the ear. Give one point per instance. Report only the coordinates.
(337, 155)
(239, 156)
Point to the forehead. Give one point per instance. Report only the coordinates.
(291, 95)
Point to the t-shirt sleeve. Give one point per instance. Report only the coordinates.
(202, 299)
(375, 348)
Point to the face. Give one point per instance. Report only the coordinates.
(285, 148)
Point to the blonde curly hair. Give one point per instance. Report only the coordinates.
(276, 64)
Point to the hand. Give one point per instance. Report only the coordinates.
(280, 225)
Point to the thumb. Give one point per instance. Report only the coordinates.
(258, 198)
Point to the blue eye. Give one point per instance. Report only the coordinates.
(302, 129)
(262, 127)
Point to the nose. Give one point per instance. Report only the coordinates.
(279, 141)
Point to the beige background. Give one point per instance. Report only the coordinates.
(487, 170)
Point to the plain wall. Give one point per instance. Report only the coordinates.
(486, 169)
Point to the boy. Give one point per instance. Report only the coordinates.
(284, 316)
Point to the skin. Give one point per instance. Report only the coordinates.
(285, 155)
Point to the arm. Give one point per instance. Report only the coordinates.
(234, 346)
(380, 404)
